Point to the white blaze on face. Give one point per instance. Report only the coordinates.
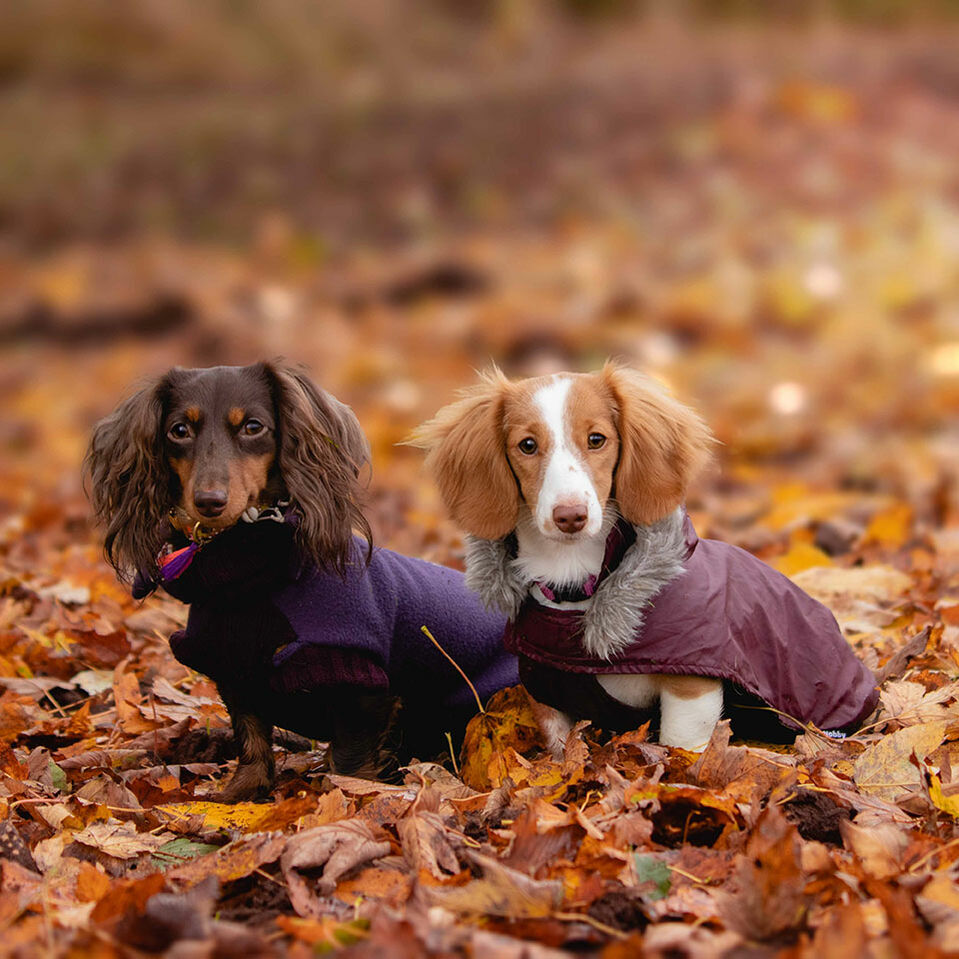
(566, 481)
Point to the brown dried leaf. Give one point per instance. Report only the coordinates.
(939, 900)
(102, 789)
(119, 839)
(676, 939)
(770, 885)
(126, 695)
(841, 933)
(862, 598)
(337, 849)
(386, 885)
(899, 661)
(426, 844)
(879, 848)
(233, 861)
(500, 892)
(908, 702)
(885, 769)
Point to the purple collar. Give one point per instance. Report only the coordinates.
(173, 562)
(620, 538)
(569, 592)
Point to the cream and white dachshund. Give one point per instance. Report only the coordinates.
(556, 461)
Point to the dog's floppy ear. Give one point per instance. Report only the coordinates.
(320, 453)
(663, 445)
(128, 482)
(466, 453)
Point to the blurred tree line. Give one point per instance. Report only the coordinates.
(172, 40)
(377, 117)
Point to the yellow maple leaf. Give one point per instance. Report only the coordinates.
(948, 804)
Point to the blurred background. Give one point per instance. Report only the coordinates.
(757, 202)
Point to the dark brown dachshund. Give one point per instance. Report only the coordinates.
(236, 489)
(214, 442)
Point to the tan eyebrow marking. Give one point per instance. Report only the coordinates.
(236, 416)
(193, 414)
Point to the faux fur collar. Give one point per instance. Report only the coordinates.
(616, 612)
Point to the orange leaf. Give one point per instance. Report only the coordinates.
(507, 724)
(800, 556)
(389, 886)
(127, 895)
(890, 527)
(92, 884)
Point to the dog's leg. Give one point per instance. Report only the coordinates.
(555, 727)
(361, 730)
(690, 707)
(255, 771)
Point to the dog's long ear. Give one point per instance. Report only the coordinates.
(466, 453)
(128, 481)
(321, 451)
(663, 445)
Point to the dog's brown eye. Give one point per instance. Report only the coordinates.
(527, 446)
(595, 440)
(253, 427)
(179, 431)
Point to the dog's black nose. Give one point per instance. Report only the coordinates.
(569, 519)
(210, 502)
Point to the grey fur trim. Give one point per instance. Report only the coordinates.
(617, 611)
(490, 572)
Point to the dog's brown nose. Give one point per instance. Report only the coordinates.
(210, 502)
(569, 519)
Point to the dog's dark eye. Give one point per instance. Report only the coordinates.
(527, 446)
(595, 440)
(179, 431)
(253, 427)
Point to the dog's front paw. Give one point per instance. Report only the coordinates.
(249, 784)
(378, 765)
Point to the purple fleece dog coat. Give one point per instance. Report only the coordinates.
(251, 606)
(669, 602)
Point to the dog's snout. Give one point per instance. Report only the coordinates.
(570, 519)
(210, 502)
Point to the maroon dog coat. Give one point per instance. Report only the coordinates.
(668, 602)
